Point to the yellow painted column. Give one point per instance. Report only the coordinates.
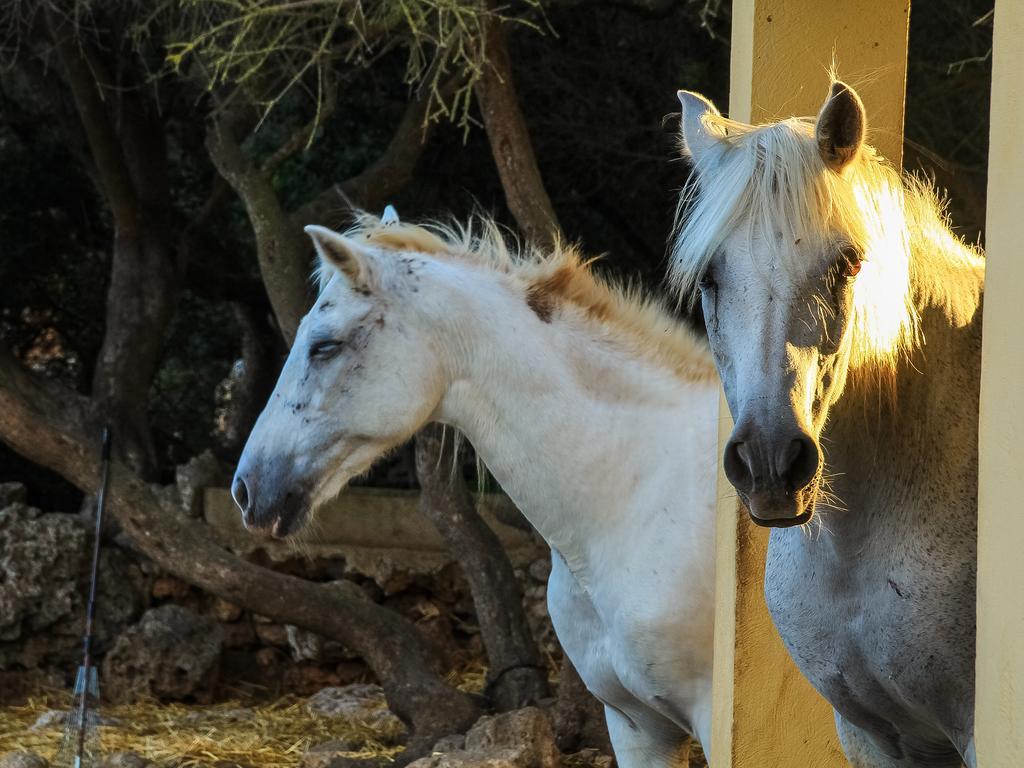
(999, 708)
(766, 714)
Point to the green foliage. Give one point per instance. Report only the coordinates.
(271, 48)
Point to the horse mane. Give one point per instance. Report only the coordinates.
(773, 177)
(556, 282)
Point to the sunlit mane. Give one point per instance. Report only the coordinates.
(772, 177)
(557, 284)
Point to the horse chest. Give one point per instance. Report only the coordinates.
(860, 625)
(642, 670)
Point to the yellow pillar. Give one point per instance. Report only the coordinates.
(999, 710)
(766, 714)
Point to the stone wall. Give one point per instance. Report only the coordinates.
(374, 538)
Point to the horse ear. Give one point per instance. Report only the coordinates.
(841, 126)
(342, 253)
(698, 139)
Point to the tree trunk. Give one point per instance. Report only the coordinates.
(140, 300)
(510, 141)
(578, 717)
(517, 678)
(49, 425)
(132, 171)
(260, 360)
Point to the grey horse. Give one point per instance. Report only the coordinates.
(845, 321)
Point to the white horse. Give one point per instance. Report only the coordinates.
(845, 320)
(595, 410)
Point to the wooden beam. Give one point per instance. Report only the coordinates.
(367, 521)
(999, 705)
(765, 711)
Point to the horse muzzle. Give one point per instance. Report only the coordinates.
(269, 509)
(776, 476)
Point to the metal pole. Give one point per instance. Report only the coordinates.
(90, 612)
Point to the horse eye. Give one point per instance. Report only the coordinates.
(324, 349)
(852, 261)
(707, 282)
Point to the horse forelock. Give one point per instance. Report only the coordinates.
(549, 280)
(772, 178)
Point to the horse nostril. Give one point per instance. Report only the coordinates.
(737, 468)
(798, 462)
(240, 493)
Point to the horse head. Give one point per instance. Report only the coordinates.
(359, 380)
(792, 236)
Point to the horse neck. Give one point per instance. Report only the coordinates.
(883, 436)
(570, 426)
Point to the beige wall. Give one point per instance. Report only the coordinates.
(766, 714)
(782, 51)
(999, 720)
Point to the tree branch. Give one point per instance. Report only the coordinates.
(510, 141)
(385, 177)
(50, 426)
(281, 248)
(104, 143)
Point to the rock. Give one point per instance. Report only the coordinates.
(521, 739)
(505, 758)
(171, 653)
(359, 701)
(590, 757)
(307, 679)
(192, 478)
(44, 559)
(170, 587)
(540, 569)
(330, 754)
(238, 635)
(454, 743)
(309, 646)
(272, 634)
(12, 493)
(226, 612)
(123, 760)
(305, 645)
(22, 760)
(18, 686)
(536, 593)
(528, 730)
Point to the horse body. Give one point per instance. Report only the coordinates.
(631, 591)
(578, 399)
(893, 651)
(858, 403)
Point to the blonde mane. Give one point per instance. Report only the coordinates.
(555, 284)
(772, 177)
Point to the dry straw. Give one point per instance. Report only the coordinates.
(266, 736)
